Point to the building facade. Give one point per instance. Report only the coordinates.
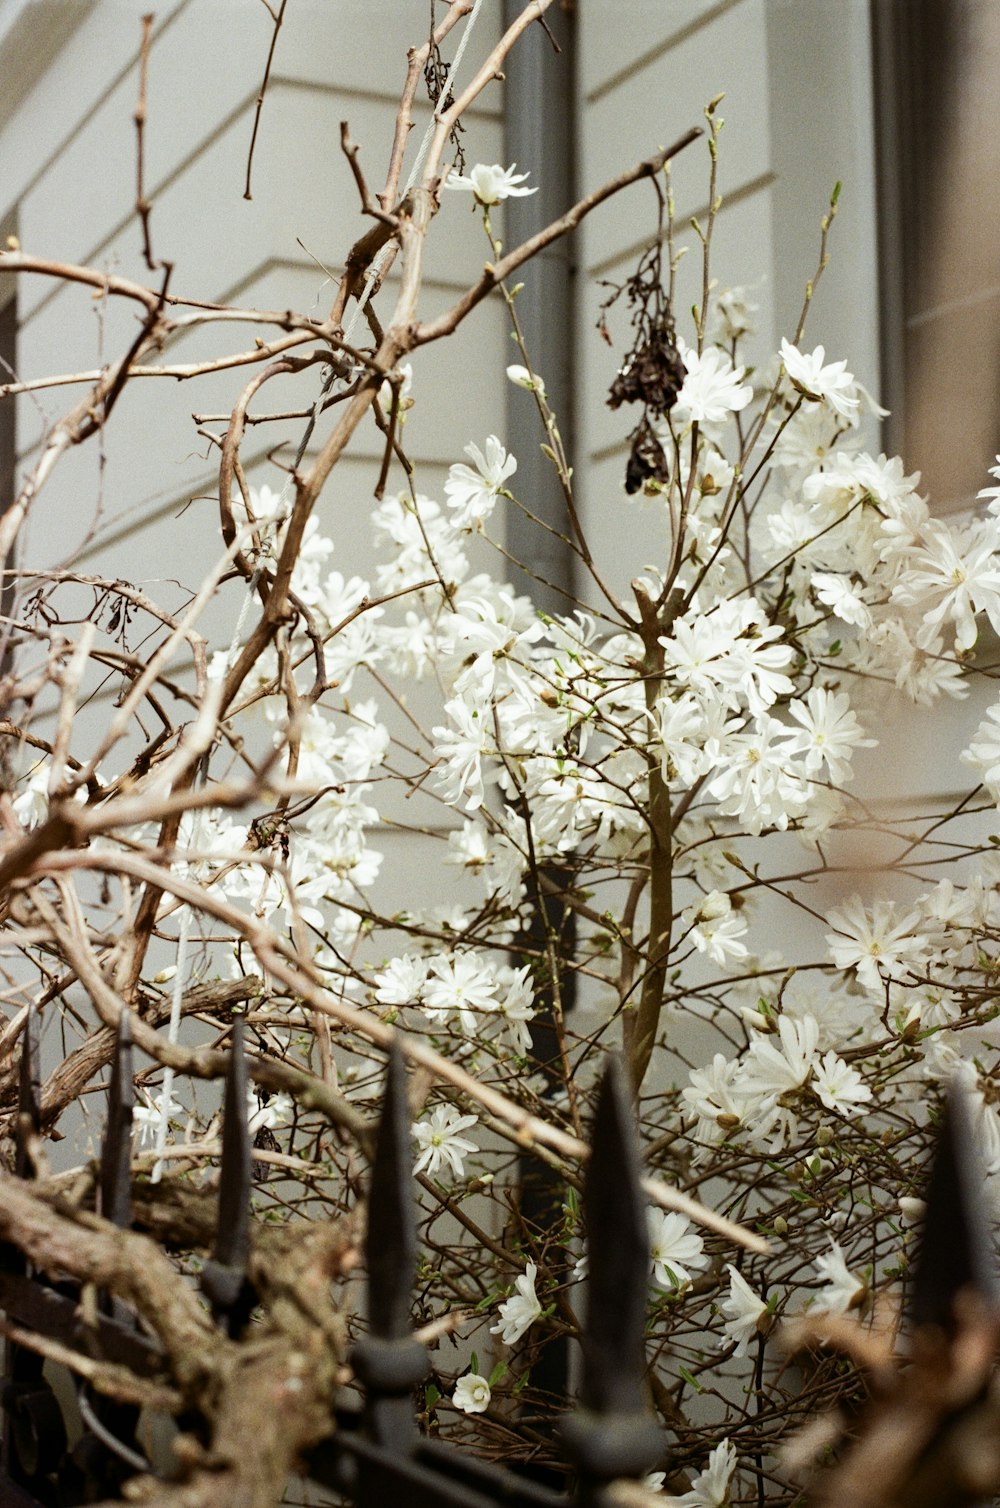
(816, 92)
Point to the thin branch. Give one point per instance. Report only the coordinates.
(277, 19)
(496, 273)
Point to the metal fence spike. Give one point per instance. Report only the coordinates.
(612, 1434)
(232, 1242)
(116, 1149)
(29, 1105)
(389, 1361)
(224, 1278)
(618, 1252)
(391, 1243)
(957, 1249)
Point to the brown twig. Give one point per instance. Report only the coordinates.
(277, 19)
(142, 205)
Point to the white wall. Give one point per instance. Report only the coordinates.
(798, 115)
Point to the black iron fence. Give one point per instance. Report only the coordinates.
(375, 1455)
(931, 1436)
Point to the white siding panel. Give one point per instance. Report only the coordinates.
(822, 130)
(201, 221)
(105, 43)
(653, 107)
(619, 35)
(362, 44)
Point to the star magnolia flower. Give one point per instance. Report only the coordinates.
(777, 1070)
(472, 495)
(839, 1086)
(519, 1311)
(984, 752)
(954, 571)
(673, 1248)
(873, 943)
(491, 184)
(716, 928)
(472, 1394)
(277, 1112)
(743, 1310)
(460, 750)
(713, 388)
(835, 593)
(147, 1117)
(439, 1140)
(710, 1488)
(843, 1290)
(816, 381)
(829, 733)
(993, 493)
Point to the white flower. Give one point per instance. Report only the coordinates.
(31, 804)
(519, 1311)
(472, 1394)
(839, 1086)
(517, 1004)
(462, 985)
(460, 751)
(734, 314)
(715, 928)
(983, 754)
(843, 1290)
(148, 1116)
(778, 1070)
(439, 1140)
(955, 575)
(681, 729)
(402, 981)
(829, 734)
(912, 1210)
(836, 593)
(521, 377)
(277, 1112)
(472, 495)
(385, 391)
(714, 1097)
(710, 1488)
(834, 382)
(993, 493)
(873, 942)
(674, 1246)
(713, 388)
(743, 1309)
(490, 183)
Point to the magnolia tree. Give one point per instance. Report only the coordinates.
(664, 779)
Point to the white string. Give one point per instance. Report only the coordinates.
(371, 279)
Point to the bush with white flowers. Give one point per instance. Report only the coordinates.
(667, 780)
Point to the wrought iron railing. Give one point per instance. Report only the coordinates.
(930, 1437)
(375, 1455)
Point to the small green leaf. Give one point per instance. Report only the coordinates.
(498, 1373)
(692, 1382)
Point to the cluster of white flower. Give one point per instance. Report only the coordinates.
(743, 710)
